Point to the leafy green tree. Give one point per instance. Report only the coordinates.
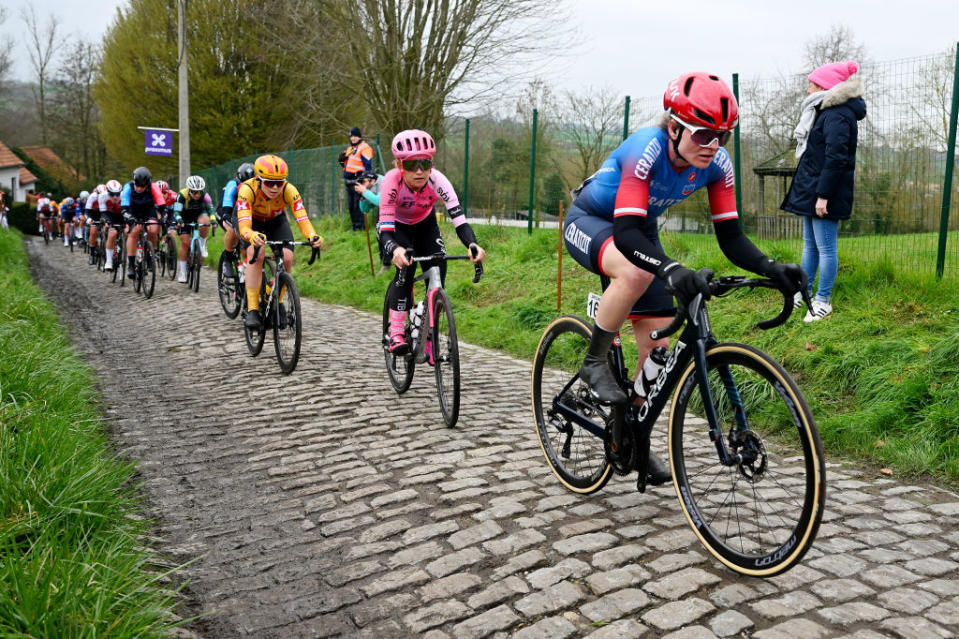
(246, 68)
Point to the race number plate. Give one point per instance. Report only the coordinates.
(592, 305)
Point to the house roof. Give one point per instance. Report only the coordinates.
(48, 160)
(26, 177)
(8, 158)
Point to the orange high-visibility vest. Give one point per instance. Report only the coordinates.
(355, 155)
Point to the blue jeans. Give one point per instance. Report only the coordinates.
(819, 253)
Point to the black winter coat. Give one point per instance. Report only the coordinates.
(827, 167)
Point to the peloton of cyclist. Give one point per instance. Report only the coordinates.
(192, 206)
(142, 204)
(260, 208)
(611, 227)
(408, 222)
(112, 214)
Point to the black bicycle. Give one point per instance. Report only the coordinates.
(119, 252)
(431, 333)
(744, 450)
(167, 253)
(228, 284)
(279, 307)
(145, 276)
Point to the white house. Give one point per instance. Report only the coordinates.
(14, 175)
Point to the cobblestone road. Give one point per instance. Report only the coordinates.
(322, 504)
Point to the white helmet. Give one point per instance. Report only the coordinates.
(195, 183)
(84, 195)
(113, 187)
(100, 188)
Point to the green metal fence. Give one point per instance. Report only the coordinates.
(905, 200)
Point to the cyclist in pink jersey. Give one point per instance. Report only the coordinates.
(408, 222)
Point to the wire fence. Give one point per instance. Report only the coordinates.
(901, 162)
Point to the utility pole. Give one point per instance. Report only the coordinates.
(184, 93)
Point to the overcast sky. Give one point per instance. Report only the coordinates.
(635, 47)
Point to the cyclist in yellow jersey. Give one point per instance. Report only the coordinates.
(261, 204)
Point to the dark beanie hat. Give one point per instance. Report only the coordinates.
(356, 131)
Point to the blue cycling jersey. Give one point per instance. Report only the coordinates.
(229, 194)
(638, 179)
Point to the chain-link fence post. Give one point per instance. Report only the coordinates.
(950, 163)
(626, 119)
(333, 178)
(532, 176)
(466, 168)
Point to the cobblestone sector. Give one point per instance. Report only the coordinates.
(322, 504)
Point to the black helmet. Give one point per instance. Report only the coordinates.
(142, 176)
(245, 172)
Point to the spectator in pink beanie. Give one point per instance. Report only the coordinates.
(822, 188)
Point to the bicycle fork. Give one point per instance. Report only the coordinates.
(709, 407)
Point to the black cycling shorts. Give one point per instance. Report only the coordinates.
(68, 216)
(275, 230)
(94, 214)
(587, 236)
(189, 217)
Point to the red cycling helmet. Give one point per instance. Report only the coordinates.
(702, 99)
(413, 144)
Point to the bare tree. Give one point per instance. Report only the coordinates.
(74, 112)
(838, 45)
(413, 59)
(6, 57)
(40, 43)
(590, 121)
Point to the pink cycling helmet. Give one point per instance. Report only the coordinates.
(413, 144)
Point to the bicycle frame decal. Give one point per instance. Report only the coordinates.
(674, 357)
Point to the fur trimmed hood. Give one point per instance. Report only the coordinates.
(845, 92)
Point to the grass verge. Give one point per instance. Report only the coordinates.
(881, 373)
(72, 561)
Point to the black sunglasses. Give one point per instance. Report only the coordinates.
(417, 165)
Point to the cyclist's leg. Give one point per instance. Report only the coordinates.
(589, 240)
(185, 233)
(399, 295)
(132, 239)
(203, 218)
(654, 308)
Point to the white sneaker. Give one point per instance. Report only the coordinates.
(181, 273)
(819, 311)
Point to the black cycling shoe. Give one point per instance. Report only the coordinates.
(131, 273)
(284, 318)
(657, 471)
(92, 260)
(595, 372)
(253, 321)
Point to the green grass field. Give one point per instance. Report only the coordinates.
(72, 555)
(880, 373)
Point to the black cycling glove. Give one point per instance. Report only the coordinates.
(790, 277)
(686, 282)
